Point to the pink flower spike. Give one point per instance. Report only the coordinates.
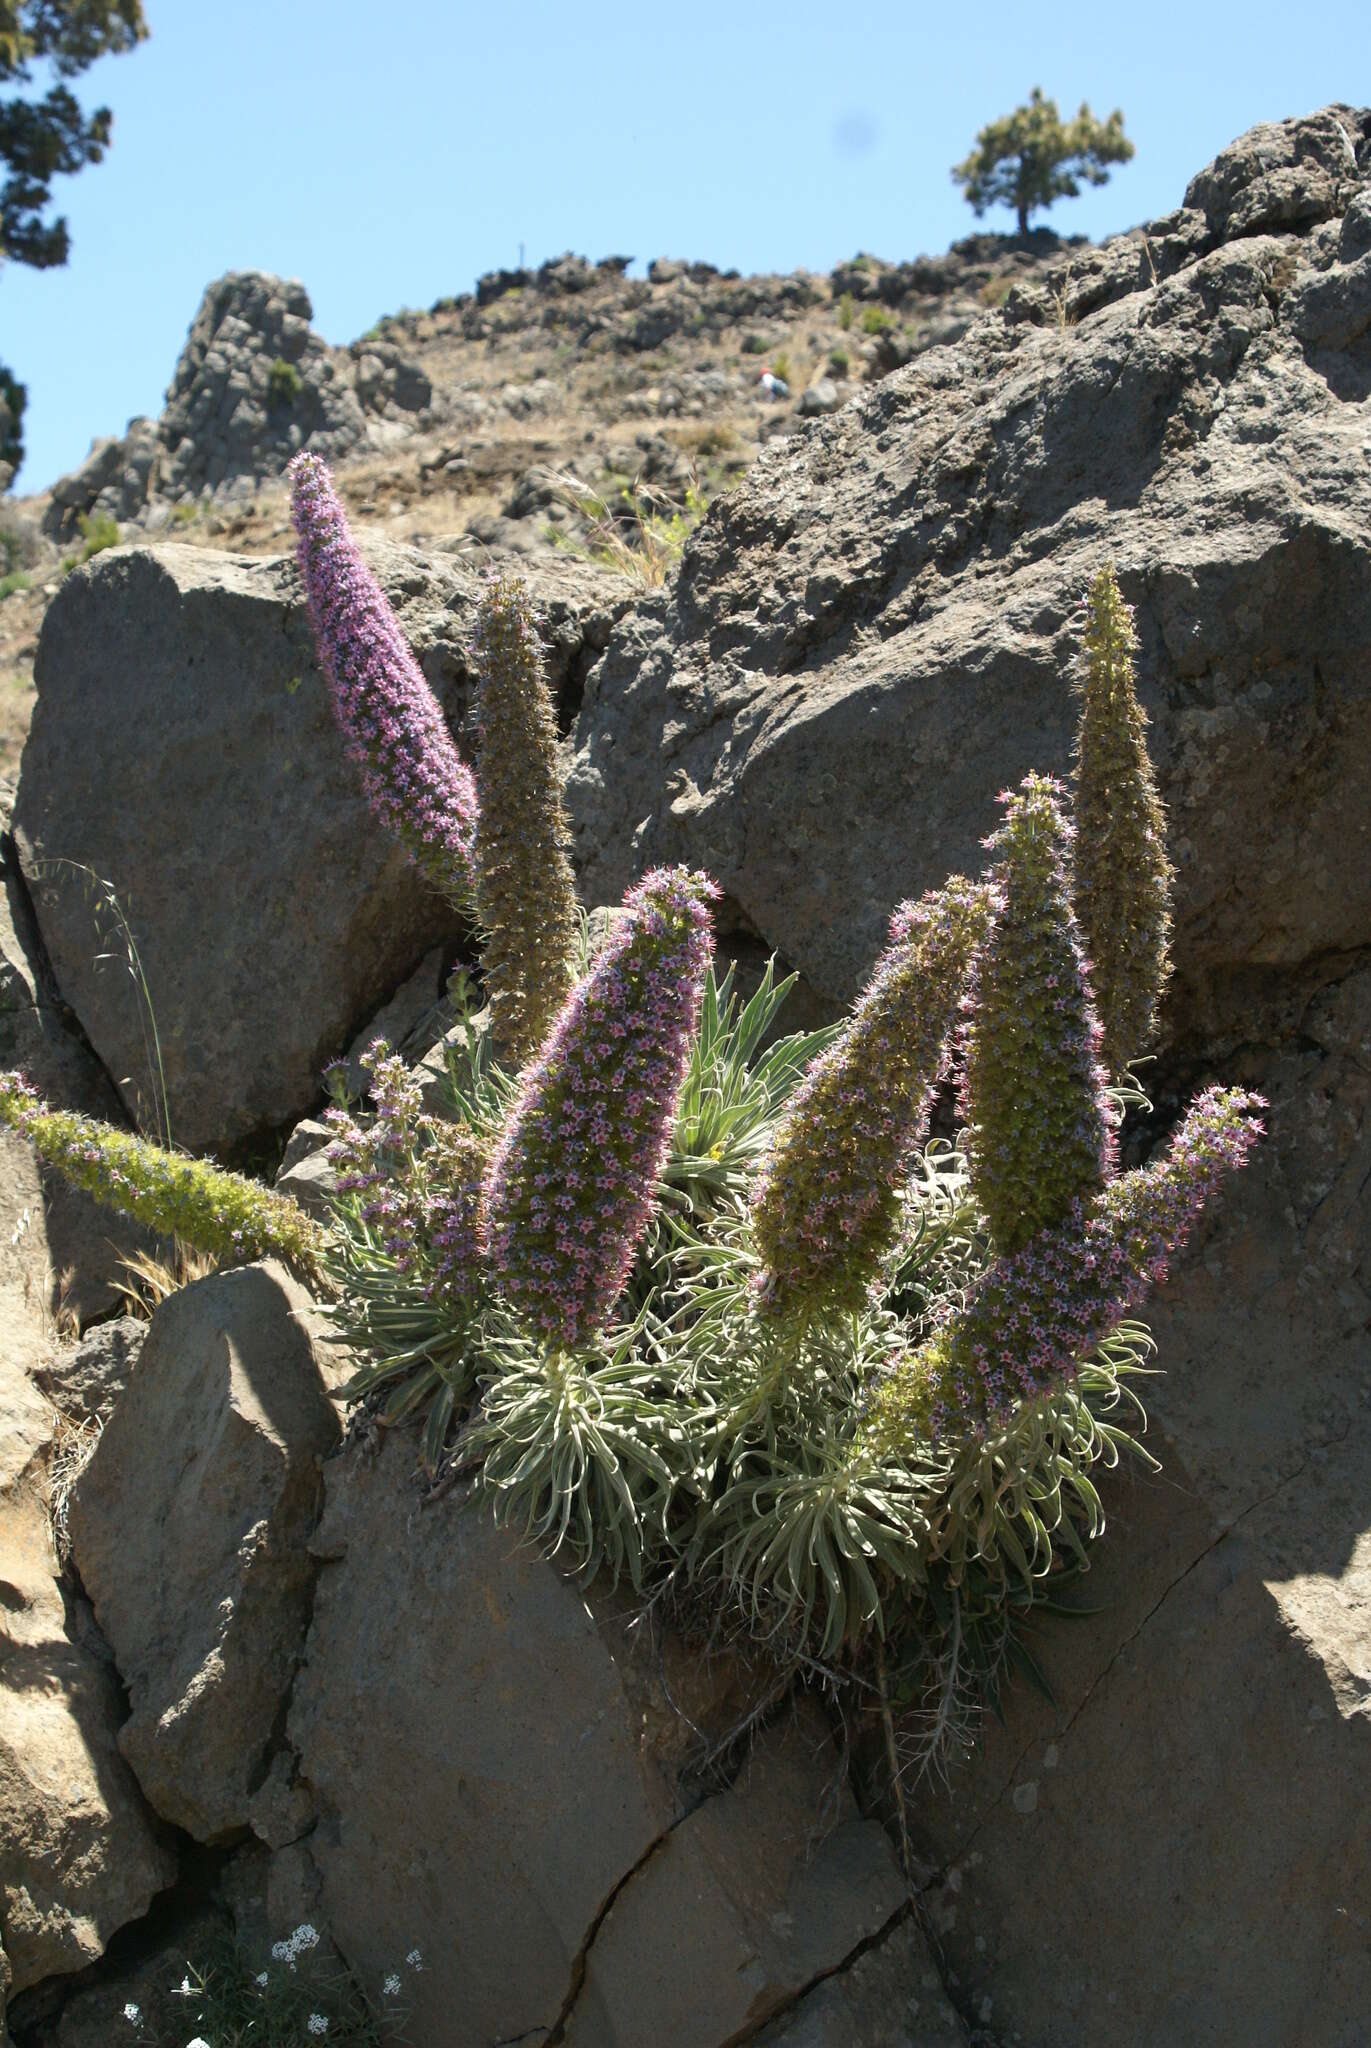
(392, 724)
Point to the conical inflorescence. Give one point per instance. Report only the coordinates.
(572, 1185)
(1033, 1316)
(827, 1208)
(525, 892)
(1040, 1128)
(208, 1208)
(1122, 875)
(393, 726)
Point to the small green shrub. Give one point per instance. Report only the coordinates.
(284, 385)
(877, 320)
(98, 531)
(753, 345)
(16, 581)
(839, 361)
(780, 365)
(845, 310)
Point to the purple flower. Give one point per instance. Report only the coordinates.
(394, 729)
(828, 1204)
(1033, 1315)
(599, 1103)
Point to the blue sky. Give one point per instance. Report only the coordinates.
(387, 155)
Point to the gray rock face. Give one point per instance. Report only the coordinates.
(72, 1248)
(820, 397)
(79, 1854)
(555, 1880)
(1202, 1773)
(86, 1380)
(189, 1528)
(889, 1997)
(184, 747)
(873, 634)
(226, 415)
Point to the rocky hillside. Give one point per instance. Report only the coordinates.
(261, 1682)
(509, 418)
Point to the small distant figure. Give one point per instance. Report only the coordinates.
(772, 385)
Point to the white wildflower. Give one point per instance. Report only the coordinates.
(133, 2013)
(316, 2023)
(183, 1989)
(415, 1959)
(391, 1987)
(261, 1978)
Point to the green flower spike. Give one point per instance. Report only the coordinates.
(525, 892)
(828, 1206)
(1122, 875)
(215, 1211)
(1040, 1127)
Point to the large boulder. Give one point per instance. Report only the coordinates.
(80, 1855)
(871, 637)
(189, 1529)
(184, 751)
(874, 633)
(498, 1781)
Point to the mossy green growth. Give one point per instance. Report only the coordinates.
(1122, 875)
(1040, 1128)
(284, 385)
(205, 1206)
(828, 1207)
(525, 890)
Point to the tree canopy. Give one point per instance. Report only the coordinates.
(42, 138)
(1032, 157)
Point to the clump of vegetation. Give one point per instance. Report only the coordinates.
(99, 530)
(877, 320)
(845, 310)
(15, 581)
(284, 385)
(1032, 158)
(753, 345)
(839, 362)
(640, 531)
(710, 1311)
(288, 1999)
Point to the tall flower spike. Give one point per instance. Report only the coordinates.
(525, 893)
(1031, 1318)
(392, 724)
(1122, 875)
(215, 1211)
(1040, 1128)
(828, 1206)
(572, 1184)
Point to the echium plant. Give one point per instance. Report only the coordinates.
(572, 1186)
(525, 891)
(712, 1312)
(216, 1211)
(1040, 1128)
(1033, 1315)
(1122, 874)
(827, 1207)
(415, 780)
